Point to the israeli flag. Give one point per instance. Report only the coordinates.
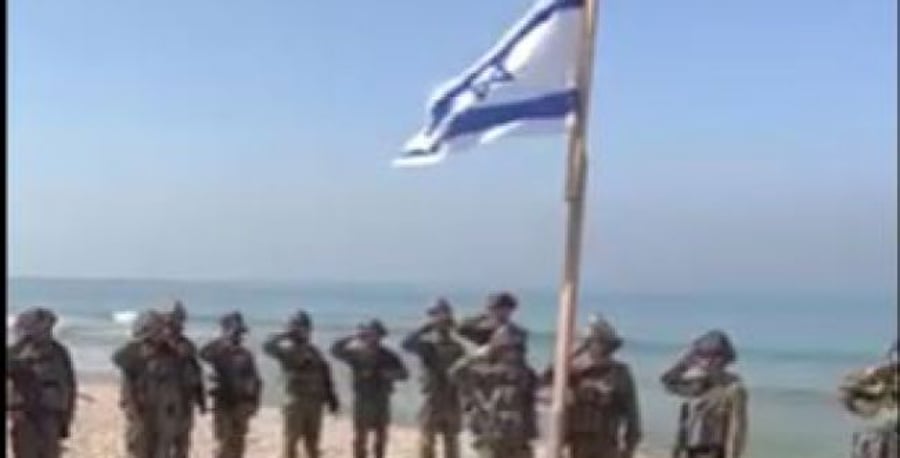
(524, 85)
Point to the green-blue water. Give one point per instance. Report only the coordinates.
(793, 348)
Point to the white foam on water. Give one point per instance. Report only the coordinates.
(10, 320)
(125, 317)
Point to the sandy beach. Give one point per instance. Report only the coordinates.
(97, 432)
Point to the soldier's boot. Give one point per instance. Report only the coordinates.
(451, 445)
(381, 439)
(426, 444)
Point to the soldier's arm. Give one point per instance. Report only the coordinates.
(531, 404)
(737, 427)
(272, 347)
(340, 351)
(209, 351)
(471, 330)
(633, 432)
(72, 384)
(673, 379)
(414, 343)
(331, 397)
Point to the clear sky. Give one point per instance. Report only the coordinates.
(736, 145)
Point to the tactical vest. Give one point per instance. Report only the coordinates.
(438, 360)
(598, 399)
(50, 375)
(161, 387)
(305, 374)
(500, 404)
(705, 420)
(236, 376)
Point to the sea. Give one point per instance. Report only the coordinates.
(793, 348)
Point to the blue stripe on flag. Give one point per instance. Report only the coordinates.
(555, 105)
(443, 105)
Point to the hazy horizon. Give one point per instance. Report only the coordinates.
(743, 147)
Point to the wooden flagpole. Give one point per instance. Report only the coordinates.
(576, 182)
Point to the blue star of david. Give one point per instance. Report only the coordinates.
(494, 74)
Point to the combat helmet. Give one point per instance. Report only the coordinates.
(374, 326)
(502, 300)
(440, 307)
(35, 321)
(715, 342)
(300, 319)
(233, 323)
(600, 330)
(147, 324)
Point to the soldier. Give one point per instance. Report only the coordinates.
(375, 369)
(603, 420)
(309, 385)
(236, 395)
(438, 350)
(43, 387)
(872, 394)
(713, 417)
(499, 310)
(153, 394)
(498, 392)
(192, 378)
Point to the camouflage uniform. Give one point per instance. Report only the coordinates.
(153, 394)
(602, 418)
(193, 379)
(375, 370)
(43, 387)
(309, 385)
(873, 395)
(438, 350)
(480, 328)
(713, 416)
(498, 392)
(236, 395)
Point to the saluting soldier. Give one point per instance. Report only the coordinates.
(309, 386)
(237, 386)
(603, 419)
(375, 370)
(438, 351)
(713, 417)
(154, 397)
(498, 390)
(872, 395)
(498, 313)
(42, 402)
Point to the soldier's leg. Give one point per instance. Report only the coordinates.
(137, 442)
(239, 439)
(381, 440)
(293, 419)
(183, 437)
(360, 434)
(49, 440)
(23, 436)
(221, 433)
(451, 444)
(312, 431)
(427, 437)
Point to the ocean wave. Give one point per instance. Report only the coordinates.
(124, 317)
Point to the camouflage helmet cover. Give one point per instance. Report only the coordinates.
(374, 326)
(502, 300)
(233, 322)
(440, 307)
(715, 342)
(600, 330)
(300, 319)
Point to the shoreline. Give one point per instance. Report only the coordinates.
(98, 430)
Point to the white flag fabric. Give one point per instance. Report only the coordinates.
(524, 84)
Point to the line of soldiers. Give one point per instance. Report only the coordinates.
(491, 390)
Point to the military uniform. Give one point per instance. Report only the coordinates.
(236, 396)
(154, 397)
(42, 401)
(498, 392)
(375, 369)
(602, 417)
(713, 417)
(438, 351)
(309, 386)
(872, 394)
(192, 379)
(479, 329)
